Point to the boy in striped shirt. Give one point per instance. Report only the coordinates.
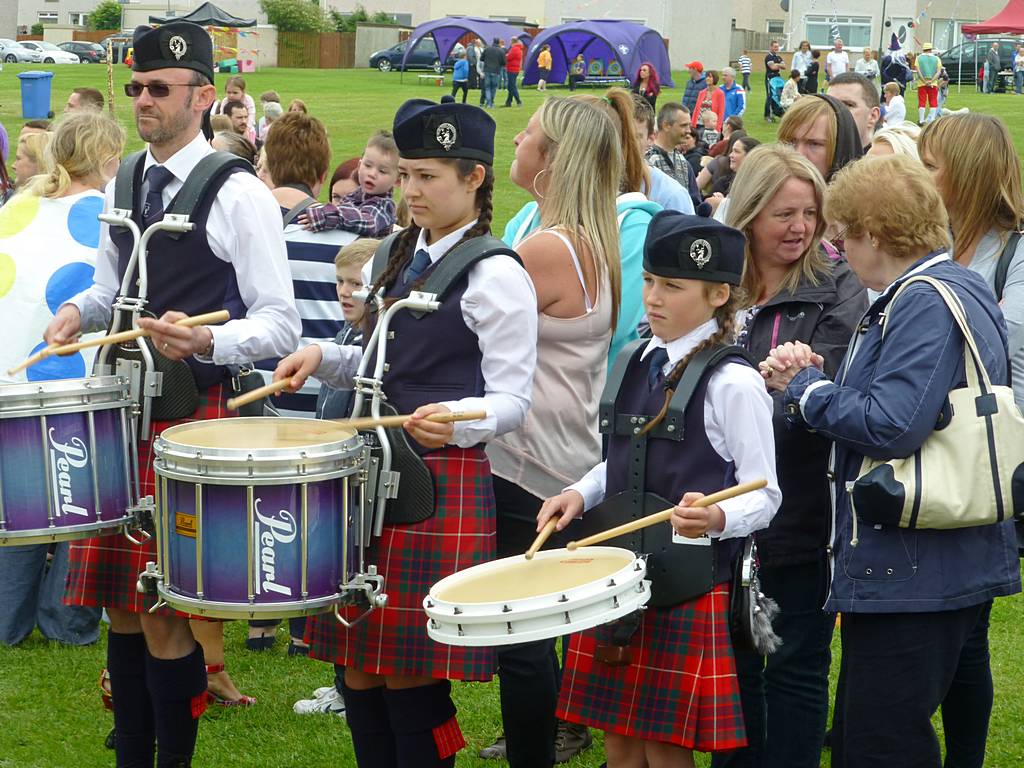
(745, 67)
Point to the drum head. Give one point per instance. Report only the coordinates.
(260, 433)
(516, 578)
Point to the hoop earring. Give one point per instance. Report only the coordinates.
(536, 191)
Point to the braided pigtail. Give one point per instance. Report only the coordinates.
(725, 315)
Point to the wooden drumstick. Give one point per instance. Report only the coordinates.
(666, 514)
(397, 421)
(209, 318)
(545, 532)
(258, 394)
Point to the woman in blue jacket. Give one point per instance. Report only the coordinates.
(910, 598)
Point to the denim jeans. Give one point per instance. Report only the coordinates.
(1018, 81)
(785, 696)
(989, 79)
(31, 593)
(490, 87)
(512, 80)
(968, 703)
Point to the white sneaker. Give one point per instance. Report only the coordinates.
(320, 692)
(330, 702)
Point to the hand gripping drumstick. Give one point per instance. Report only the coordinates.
(397, 421)
(666, 514)
(209, 318)
(545, 532)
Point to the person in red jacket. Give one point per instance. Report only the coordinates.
(513, 66)
(710, 99)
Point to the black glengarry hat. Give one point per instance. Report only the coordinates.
(424, 129)
(693, 248)
(177, 44)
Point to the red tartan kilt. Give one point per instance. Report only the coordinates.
(103, 571)
(681, 687)
(412, 558)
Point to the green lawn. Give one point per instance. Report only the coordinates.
(50, 713)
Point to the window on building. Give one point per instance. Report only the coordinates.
(946, 33)
(776, 27)
(47, 17)
(854, 30)
(78, 18)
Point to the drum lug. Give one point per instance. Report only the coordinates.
(371, 585)
(389, 483)
(147, 581)
(143, 512)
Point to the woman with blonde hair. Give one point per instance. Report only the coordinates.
(633, 208)
(794, 292)
(822, 129)
(976, 170)
(569, 159)
(50, 233)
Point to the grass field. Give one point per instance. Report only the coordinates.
(50, 713)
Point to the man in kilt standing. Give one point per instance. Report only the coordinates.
(234, 258)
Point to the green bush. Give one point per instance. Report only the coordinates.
(106, 15)
(295, 15)
(37, 28)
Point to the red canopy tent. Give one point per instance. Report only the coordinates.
(1009, 20)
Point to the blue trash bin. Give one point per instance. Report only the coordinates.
(35, 94)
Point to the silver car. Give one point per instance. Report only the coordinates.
(12, 52)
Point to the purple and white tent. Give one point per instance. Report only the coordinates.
(610, 47)
(447, 32)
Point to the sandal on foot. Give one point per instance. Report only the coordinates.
(297, 649)
(262, 643)
(220, 701)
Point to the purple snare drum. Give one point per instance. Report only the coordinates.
(257, 517)
(66, 460)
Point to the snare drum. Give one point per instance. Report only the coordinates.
(515, 600)
(66, 459)
(257, 517)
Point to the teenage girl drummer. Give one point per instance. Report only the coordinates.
(679, 692)
(477, 352)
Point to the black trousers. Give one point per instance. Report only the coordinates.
(897, 670)
(529, 673)
(464, 85)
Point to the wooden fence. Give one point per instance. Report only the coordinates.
(92, 35)
(326, 50)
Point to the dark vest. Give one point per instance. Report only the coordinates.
(648, 473)
(431, 357)
(184, 273)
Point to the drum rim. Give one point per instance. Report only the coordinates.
(22, 536)
(473, 612)
(182, 454)
(26, 399)
(216, 609)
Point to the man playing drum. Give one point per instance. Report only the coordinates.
(234, 258)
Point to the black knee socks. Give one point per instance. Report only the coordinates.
(426, 733)
(372, 738)
(133, 711)
(178, 691)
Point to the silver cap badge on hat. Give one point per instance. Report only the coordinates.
(446, 136)
(178, 46)
(700, 252)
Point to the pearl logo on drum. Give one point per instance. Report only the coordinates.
(268, 532)
(64, 458)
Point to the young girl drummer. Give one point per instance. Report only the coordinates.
(477, 352)
(676, 690)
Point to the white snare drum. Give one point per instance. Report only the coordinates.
(67, 460)
(515, 600)
(257, 517)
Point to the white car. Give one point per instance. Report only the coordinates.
(50, 53)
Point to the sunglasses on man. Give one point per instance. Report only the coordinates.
(156, 90)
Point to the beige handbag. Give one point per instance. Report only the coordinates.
(969, 471)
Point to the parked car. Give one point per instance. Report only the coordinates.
(423, 56)
(89, 53)
(119, 44)
(50, 53)
(966, 52)
(12, 52)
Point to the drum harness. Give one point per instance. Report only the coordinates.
(676, 576)
(149, 374)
